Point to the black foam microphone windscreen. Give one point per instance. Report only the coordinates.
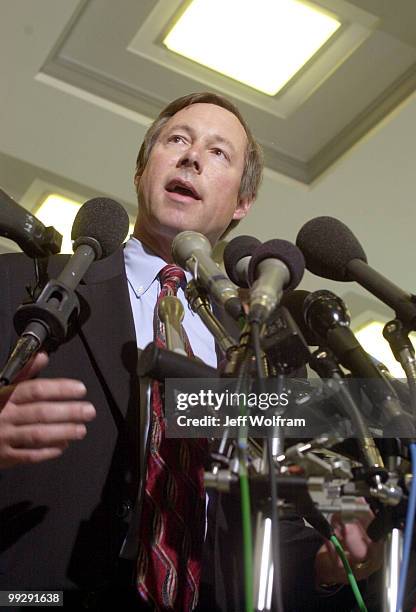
(328, 246)
(283, 251)
(103, 219)
(236, 250)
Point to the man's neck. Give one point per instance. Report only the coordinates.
(158, 245)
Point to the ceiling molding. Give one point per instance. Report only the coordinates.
(300, 140)
(378, 110)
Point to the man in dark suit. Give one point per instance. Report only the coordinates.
(67, 501)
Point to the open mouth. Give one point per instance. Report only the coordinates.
(183, 188)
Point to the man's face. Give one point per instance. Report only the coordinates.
(192, 178)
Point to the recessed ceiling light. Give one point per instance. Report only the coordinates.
(60, 212)
(371, 338)
(260, 43)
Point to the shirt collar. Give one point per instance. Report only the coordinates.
(142, 266)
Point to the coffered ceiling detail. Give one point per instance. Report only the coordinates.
(113, 50)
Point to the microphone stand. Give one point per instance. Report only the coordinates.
(199, 302)
(387, 525)
(393, 551)
(286, 349)
(374, 467)
(395, 333)
(264, 543)
(402, 349)
(268, 567)
(323, 363)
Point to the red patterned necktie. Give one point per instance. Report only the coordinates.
(173, 515)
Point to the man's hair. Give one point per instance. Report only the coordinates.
(253, 158)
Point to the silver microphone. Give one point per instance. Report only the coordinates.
(192, 250)
(275, 266)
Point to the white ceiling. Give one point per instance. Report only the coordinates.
(76, 99)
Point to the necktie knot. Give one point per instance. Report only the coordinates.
(171, 277)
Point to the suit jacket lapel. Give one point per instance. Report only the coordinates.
(107, 328)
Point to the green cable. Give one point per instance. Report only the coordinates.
(350, 575)
(245, 496)
(244, 487)
(247, 534)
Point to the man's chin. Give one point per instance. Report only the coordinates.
(173, 228)
(170, 225)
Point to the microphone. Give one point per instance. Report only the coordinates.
(171, 313)
(327, 315)
(99, 229)
(192, 250)
(27, 231)
(161, 363)
(284, 344)
(237, 257)
(332, 251)
(198, 302)
(275, 266)
(323, 362)
(294, 302)
(102, 224)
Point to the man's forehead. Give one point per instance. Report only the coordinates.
(209, 117)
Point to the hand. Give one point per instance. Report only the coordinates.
(364, 555)
(38, 418)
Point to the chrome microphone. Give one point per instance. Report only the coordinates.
(192, 250)
(275, 266)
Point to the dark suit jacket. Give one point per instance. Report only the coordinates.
(63, 522)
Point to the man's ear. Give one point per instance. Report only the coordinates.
(137, 177)
(242, 208)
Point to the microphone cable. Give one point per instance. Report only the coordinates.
(242, 448)
(408, 532)
(351, 578)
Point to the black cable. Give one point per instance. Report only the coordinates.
(277, 577)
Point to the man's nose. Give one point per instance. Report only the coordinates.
(191, 159)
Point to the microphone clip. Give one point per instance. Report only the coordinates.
(54, 310)
(283, 342)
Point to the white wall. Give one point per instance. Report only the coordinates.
(371, 189)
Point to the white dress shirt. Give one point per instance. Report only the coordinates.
(142, 268)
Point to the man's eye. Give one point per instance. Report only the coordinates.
(220, 153)
(176, 138)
